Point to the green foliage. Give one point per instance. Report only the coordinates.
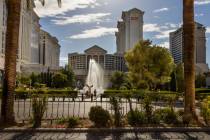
(179, 70)
(136, 118)
(120, 80)
(147, 105)
(116, 107)
(205, 110)
(173, 83)
(200, 81)
(168, 115)
(70, 76)
(149, 63)
(99, 116)
(39, 106)
(73, 122)
(61, 120)
(156, 118)
(59, 80)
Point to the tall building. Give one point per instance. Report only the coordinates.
(176, 47)
(109, 62)
(29, 57)
(49, 50)
(130, 30)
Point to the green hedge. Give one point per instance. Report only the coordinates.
(140, 94)
(23, 94)
(202, 93)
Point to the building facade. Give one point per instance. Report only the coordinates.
(49, 51)
(130, 30)
(109, 62)
(176, 47)
(29, 57)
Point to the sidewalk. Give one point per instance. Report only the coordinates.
(106, 134)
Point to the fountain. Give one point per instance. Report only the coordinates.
(95, 79)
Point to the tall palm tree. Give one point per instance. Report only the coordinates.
(11, 49)
(189, 57)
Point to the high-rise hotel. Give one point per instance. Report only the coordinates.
(130, 30)
(176, 47)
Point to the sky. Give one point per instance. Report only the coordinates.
(80, 24)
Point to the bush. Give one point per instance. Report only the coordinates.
(73, 122)
(99, 116)
(156, 118)
(136, 118)
(205, 110)
(168, 115)
(147, 104)
(117, 115)
(61, 121)
(39, 106)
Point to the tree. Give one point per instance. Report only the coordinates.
(173, 83)
(149, 65)
(11, 49)
(180, 77)
(200, 81)
(119, 79)
(59, 80)
(189, 58)
(70, 76)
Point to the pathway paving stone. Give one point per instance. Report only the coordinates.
(100, 136)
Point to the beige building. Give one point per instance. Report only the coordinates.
(29, 57)
(130, 30)
(176, 47)
(49, 51)
(109, 62)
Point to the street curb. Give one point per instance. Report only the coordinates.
(108, 130)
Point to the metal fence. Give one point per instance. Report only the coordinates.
(63, 107)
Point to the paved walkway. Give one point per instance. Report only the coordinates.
(101, 136)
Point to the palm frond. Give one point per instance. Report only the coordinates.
(43, 2)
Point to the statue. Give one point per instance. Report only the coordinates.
(89, 89)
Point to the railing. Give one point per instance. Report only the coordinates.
(64, 106)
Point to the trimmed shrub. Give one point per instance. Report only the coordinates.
(73, 122)
(99, 116)
(136, 118)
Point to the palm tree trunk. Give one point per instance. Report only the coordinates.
(189, 56)
(12, 37)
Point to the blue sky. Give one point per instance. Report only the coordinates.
(80, 24)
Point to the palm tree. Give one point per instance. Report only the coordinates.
(11, 49)
(189, 57)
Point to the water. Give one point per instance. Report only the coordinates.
(95, 78)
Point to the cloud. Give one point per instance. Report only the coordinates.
(94, 33)
(202, 2)
(51, 7)
(88, 18)
(164, 44)
(164, 34)
(151, 28)
(160, 10)
(63, 61)
(162, 31)
(199, 15)
(208, 30)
